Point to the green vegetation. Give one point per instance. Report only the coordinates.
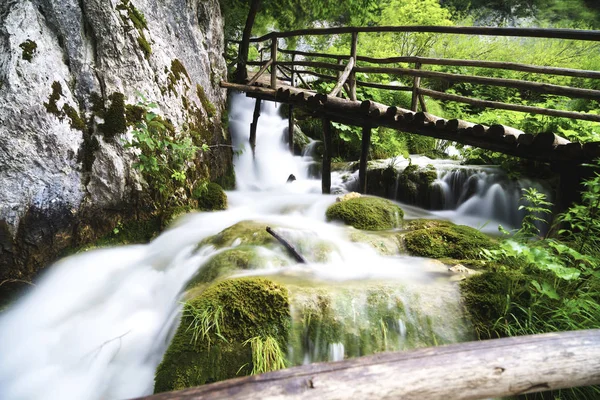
(414, 184)
(75, 120)
(134, 18)
(536, 285)
(248, 232)
(29, 48)
(210, 196)
(442, 239)
(209, 107)
(368, 213)
(114, 117)
(211, 343)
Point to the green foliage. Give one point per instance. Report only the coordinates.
(536, 206)
(29, 48)
(165, 158)
(368, 213)
(266, 355)
(582, 221)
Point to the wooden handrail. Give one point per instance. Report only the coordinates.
(473, 370)
(574, 34)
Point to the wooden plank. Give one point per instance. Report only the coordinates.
(343, 77)
(364, 158)
(260, 72)
(315, 54)
(327, 148)
(473, 370)
(512, 107)
(358, 83)
(515, 83)
(574, 34)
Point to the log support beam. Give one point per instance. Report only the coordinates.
(326, 169)
(364, 157)
(254, 125)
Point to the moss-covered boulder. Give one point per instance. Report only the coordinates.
(488, 297)
(382, 181)
(211, 197)
(414, 185)
(368, 213)
(385, 243)
(300, 140)
(212, 341)
(244, 232)
(237, 259)
(443, 239)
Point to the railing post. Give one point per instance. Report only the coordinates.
(352, 78)
(326, 166)
(274, 65)
(291, 111)
(364, 157)
(415, 92)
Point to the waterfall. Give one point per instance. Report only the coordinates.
(98, 323)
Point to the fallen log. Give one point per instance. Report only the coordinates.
(290, 248)
(473, 370)
(547, 140)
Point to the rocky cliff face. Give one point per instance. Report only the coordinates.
(70, 71)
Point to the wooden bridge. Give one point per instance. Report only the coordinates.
(286, 67)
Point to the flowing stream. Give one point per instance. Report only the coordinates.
(98, 323)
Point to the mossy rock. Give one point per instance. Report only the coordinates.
(368, 213)
(443, 239)
(414, 185)
(242, 309)
(382, 182)
(233, 260)
(488, 296)
(385, 243)
(211, 197)
(247, 232)
(300, 140)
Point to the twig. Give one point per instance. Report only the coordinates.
(16, 280)
(288, 246)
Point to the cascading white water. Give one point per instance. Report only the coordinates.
(97, 324)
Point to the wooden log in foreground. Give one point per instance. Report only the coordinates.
(473, 370)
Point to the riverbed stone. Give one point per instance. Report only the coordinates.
(368, 213)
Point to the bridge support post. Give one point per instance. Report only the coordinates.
(254, 125)
(415, 92)
(352, 78)
(291, 128)
(326, 166)
(364, 157)
(274, 65)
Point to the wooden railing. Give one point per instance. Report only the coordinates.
(347, 66)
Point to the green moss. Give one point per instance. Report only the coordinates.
(137, 17)
(97, 104)
(488, 296)
(209, 107)
(134, 114)
(248, 232)
(114, 118)
(442, 239)
(239, 309)
(29, 48)
(75, 120)
(233, 260)
(51, 105)
(211, 197)
(386, 243)
(86, 154)
(178, 70)
(368, 213)
(144, 45)
(382, 182)
(227, 180)
(414, 183)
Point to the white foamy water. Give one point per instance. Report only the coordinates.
(97, 324)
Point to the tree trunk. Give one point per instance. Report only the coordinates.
(242, 74)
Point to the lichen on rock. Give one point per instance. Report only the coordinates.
(368, 213)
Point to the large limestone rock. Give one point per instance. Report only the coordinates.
(68, 69)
